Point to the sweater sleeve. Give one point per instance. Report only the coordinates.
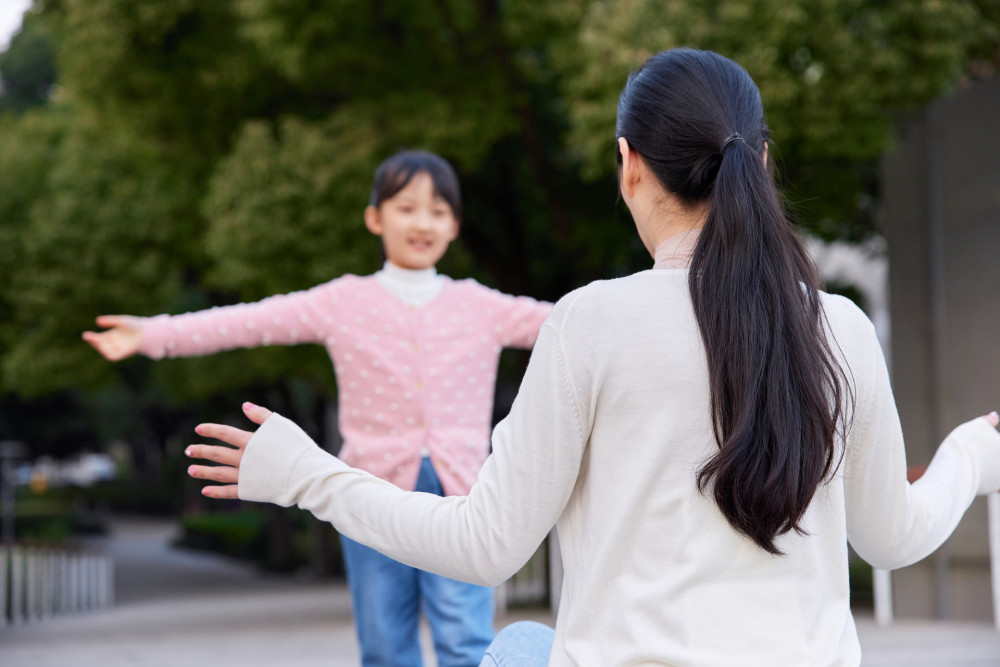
(890, 522)
(516, 319)
(286, 319)
(482, 538)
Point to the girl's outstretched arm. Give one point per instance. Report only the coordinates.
(286, 319)
(122, 339)
(516, 319)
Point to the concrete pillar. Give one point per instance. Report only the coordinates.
(942, 220)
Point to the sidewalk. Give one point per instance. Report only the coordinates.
(175, 607)
(182, 608)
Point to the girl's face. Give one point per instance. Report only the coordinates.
(415, 224)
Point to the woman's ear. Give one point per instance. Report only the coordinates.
(630, 175)
(373, 221)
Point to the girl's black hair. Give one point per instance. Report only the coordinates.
(396, 173)
(777, 391)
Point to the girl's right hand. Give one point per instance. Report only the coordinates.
(122, 338)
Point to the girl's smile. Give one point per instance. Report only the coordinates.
(416, 224)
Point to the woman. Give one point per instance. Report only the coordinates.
(707, 435)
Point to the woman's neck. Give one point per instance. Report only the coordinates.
(660, 216)
(676, 251)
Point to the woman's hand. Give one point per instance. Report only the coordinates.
(993, 418)
(122, 338)
(229, 471)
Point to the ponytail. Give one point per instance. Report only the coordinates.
(776, 387)
(777, 390)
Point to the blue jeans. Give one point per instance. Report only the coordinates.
(521, 644)
(387, 597)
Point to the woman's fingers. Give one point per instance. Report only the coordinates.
(229, 472)
(224, 455)
(255, 413)
(228, 434)
(224, 474)
(993, 418)
(228, 491)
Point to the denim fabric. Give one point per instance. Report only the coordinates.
(521, 644)
(387, 598)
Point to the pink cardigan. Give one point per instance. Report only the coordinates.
(411, 379)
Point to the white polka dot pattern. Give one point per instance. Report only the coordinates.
(410, 377)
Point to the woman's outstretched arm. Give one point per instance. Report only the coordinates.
(484, 537)
(890, 522)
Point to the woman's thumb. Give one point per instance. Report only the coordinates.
(256, 413)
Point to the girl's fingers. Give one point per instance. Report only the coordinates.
(224, 474)
(111, 346)
(228, 491)
(228, 434)
(224, 455)
(93, 338)
(255, 413)
(993, 418)
(108, 321)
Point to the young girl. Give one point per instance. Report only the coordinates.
(708, 434)
(415, 355)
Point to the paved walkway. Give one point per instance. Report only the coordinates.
(181, 608)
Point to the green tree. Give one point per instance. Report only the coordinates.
(834, 75)
(27, 72)
(199, 153)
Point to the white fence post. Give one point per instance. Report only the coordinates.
(94, 581)
(16, 586)
(993, 519)
(36, 584)
(882, 588)
(30, 585)
(59, 602)
(109, 582)
(555, 571)
(4, 588)
(47, 588)
(73, 583)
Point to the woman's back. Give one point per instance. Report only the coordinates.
(652, 566)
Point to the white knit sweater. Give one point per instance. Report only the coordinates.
(605, 437)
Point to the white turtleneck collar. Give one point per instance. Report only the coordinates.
(675, 252)
(414, 287)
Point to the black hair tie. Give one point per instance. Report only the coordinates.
(735, 136)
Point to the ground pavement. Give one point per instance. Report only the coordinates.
(182, 608)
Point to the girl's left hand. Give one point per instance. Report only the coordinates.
(229, 471)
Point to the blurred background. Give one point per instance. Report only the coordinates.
(170, 155)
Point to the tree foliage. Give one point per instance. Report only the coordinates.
(27, 72)
(198, 153)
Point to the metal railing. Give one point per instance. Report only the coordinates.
(37, 583)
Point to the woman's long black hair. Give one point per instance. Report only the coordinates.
(777, 390)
